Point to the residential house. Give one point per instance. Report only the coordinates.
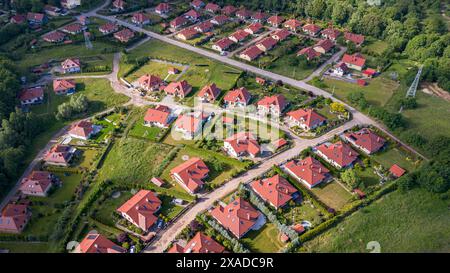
(31, 96)
(357, 39)
(14, 218)
(159, 117)
(251, 53)
(52, 10)
(18, 19)
(254, 28)
(309, 53)
(308, 171)
(71, 66)
(187, 34)
(355, 61)
(237, 97)
(140, 18)
(370, 72)
(213, 8)
(193, 15)
(150, 82)
(119, 4)
(311, 29)
(273, 105)
(229, 10)
(197, 4)
(292, 24)
(178, 22)
(337, 154)
(242, 144)
(266, 44)
(36, 18)
(70, 4)
(140, 209)
(397, 171)
(331, 34)
(281, 34)
(204, 27)
(157, 181)
(200, 243)
(209, 93)
(97, 243)
(223, 44)
(220, 20)
(365, 140)
(108, 28)
(340, 69)
(37, 183)
(73, 29)
(306, 119)
(60, 155)
(323, 46)
(125, 35)
(191, 124)
(83, 129)
(239, 217)
(259, 17)
(162, 8)
(239, 36)
(275, 190)
(63, 87)
(54, 37)
(275, 20)
(190, 174)
(243, 14)
(180, 89)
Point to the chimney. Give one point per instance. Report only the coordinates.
(320, 170)
(350, 153)
(248, 216)
(378, 139)
(95, 245)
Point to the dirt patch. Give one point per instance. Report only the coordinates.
(434, 89)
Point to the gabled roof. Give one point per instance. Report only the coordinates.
(292, 23)
(259, 15)
(243, 13)
(200, 243)
(188, 33)
(63, 84)
(267, 43)
(191, 172)
(396, 170)
(149, 81)
(220, 19)
(309, 52)
(97, 243)
(326, 44)
(119, 4)
(31, 93)
(355, 38)
(339, 152)
(331, 33)
(244, 142)
(125, 34)
(14, 217)
(253, 28)
(162, 7)
(275, 20)
(276, 190)
(211, 90)
(281, 34)
(238, 216)
(141, 208)
(252, 52)
(229, 10)
(189, 122)
(355, 59)
(367, 139)
(140, 17)
(58, 154)
(109, 27)
(36, 181)
(197, 3)
(309, 170)
(311, 28)
(70, 63)
(39, 17)
(178, 88)
(309, 117)
(73, 28)
(193, 14)
(82, 128)
(204, 26)
(212, 7)
(240, 35)
(178, 21)
(224, 43)
(238, 95)
(277, 101)
(160, 114)
(54, 36)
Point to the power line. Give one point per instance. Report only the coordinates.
(413, 88)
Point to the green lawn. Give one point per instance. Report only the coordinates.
(154, 68)
(416, 221)
(25, 247)
(332, 194)
(106, 209)
(264, 240)
(376, 47)
(395, 156)
(304, 212)
(281, 66)
(139, 130)
(168, 209)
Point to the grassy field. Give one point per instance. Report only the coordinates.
(25, 247)
(416, 221)
(264, 240)
(376, 47)
(332, 194)
(154, 68)
(395, 156)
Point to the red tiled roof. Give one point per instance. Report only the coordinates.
(63, 85)
(355, 59)
(140, 17)
(243, 13)
(309, 117)
(193, 14)
(252, 52)
(58, 154)
(179, 21)
(240, 35)
(331, 33)
(141, 208)
(109, 27)
(162, 7)
(14, 218)
(181, 88)
(276, 190)
(149, 81)
(309, 52)
(73, 28)
(160, 114)
(70, 63)
(97, 243)
(267, 43)
(212, 7)
(200, 243)
(229, 10)
(254, 28)
(39, 17)
(292, 24)
(188, 33)
(369, 72)
(339, 152)
(309, 170)
(326, 44)
(366, 139)
(191, 173)
(244, 142)
(211, 90)
(220, 19)
(396, 170)
(82, 129)
(224, 43)
(31, 93)
(275, 20)
(277, 101)
(204, 26)
(197, 3)
(54, 36)
(298, 228)
(119, 4)
(18, 18)
(36, 181)
(238, 216)
(311, 28)
(259, 15)
(124, 35)
(238, 95)
(355, 38)
(279, 143)
(281, 34)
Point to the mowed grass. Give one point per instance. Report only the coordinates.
(332, 194)
(395, 156)
(416, 221)
(264, 240)
(376, 47)
(25, 247)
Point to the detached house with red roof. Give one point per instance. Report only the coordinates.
(239, 36)
(281, 34)
(60, 155)
(190, 174)
(197, 4)
(229, 10)
(239, 217)
(355, 61)
(119, 4)
(140, 18)
(178, 22)
(275, 190)
(311, 29)
(108, 28)
(365, 140)
(193, 15)
(191, 124)
(180, 89)
(64, 87)
(36, 18)
(54, 37)
(162, 8)
(71, 66)
(73, 29)
(200, 243)
(243, 14)
(31, 96)
(238, 97)
(251, 53)
(204, 27)
(37, 183)
(259, 17)
(222, 45)
(70, 4)
(18, 19)
(125, 35)
(309, 53)
(254, 28)
(209, 93)
(220, 20)
(331, 34)
(273, 105)
(140, 209)
(52, 10)
(307, 119)
(275, 20)
(14, 218)
(308, 171)
(323, 46)
(357, 39)
(83, 129)
(159, 117)
(292, 24)
(213, 8)
(97, 243)
(337, 154)
(242, 144)
(267, 44)
(150, 82)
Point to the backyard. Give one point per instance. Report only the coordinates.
(264, 240)
(332, 194)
